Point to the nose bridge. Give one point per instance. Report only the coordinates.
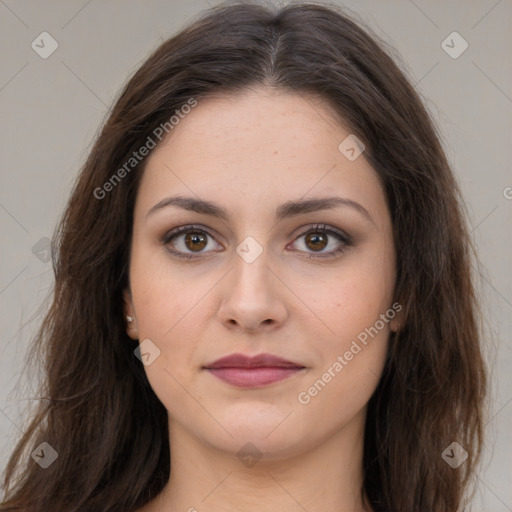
(251, 273)
(251, 297)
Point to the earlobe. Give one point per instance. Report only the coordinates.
(397, 322)
(129, 316)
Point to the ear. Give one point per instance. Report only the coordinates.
(397, 321)
(129, 312)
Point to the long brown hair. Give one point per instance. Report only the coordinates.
(96, 407)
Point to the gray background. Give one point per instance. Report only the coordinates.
(52, 108)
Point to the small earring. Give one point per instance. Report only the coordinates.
(129, 318)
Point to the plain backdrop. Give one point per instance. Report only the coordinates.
(51, 109)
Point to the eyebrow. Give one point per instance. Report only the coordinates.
(286, 210)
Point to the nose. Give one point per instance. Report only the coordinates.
(253, 297)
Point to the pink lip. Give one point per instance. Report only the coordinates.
(256, 371)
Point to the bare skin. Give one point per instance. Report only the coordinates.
(250, 153)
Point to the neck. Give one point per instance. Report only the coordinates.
(327, 476)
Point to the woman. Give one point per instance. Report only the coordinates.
(263, 297)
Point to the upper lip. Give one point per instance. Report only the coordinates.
(259, 360)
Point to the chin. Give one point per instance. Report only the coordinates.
(272, 433)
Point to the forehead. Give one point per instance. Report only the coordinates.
(258, 147)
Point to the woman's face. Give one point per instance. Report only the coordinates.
(311, 283)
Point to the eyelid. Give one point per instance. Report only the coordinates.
(328, 229)
(184, 229)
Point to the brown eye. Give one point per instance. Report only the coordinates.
(195, 241)
(316, 241)
(184, 241)
(317, 238)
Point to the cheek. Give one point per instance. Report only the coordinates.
(337, 395)
(165, 298)
(356, 307)
(352, 363)
(349, 366)
(170, 320)
(352, 299)
(165, 307)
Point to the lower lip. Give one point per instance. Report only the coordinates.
(253, 377)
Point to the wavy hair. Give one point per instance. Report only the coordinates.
(96, 407)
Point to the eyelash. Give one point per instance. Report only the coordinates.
(317, 228)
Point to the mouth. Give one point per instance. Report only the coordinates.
(253, 371)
